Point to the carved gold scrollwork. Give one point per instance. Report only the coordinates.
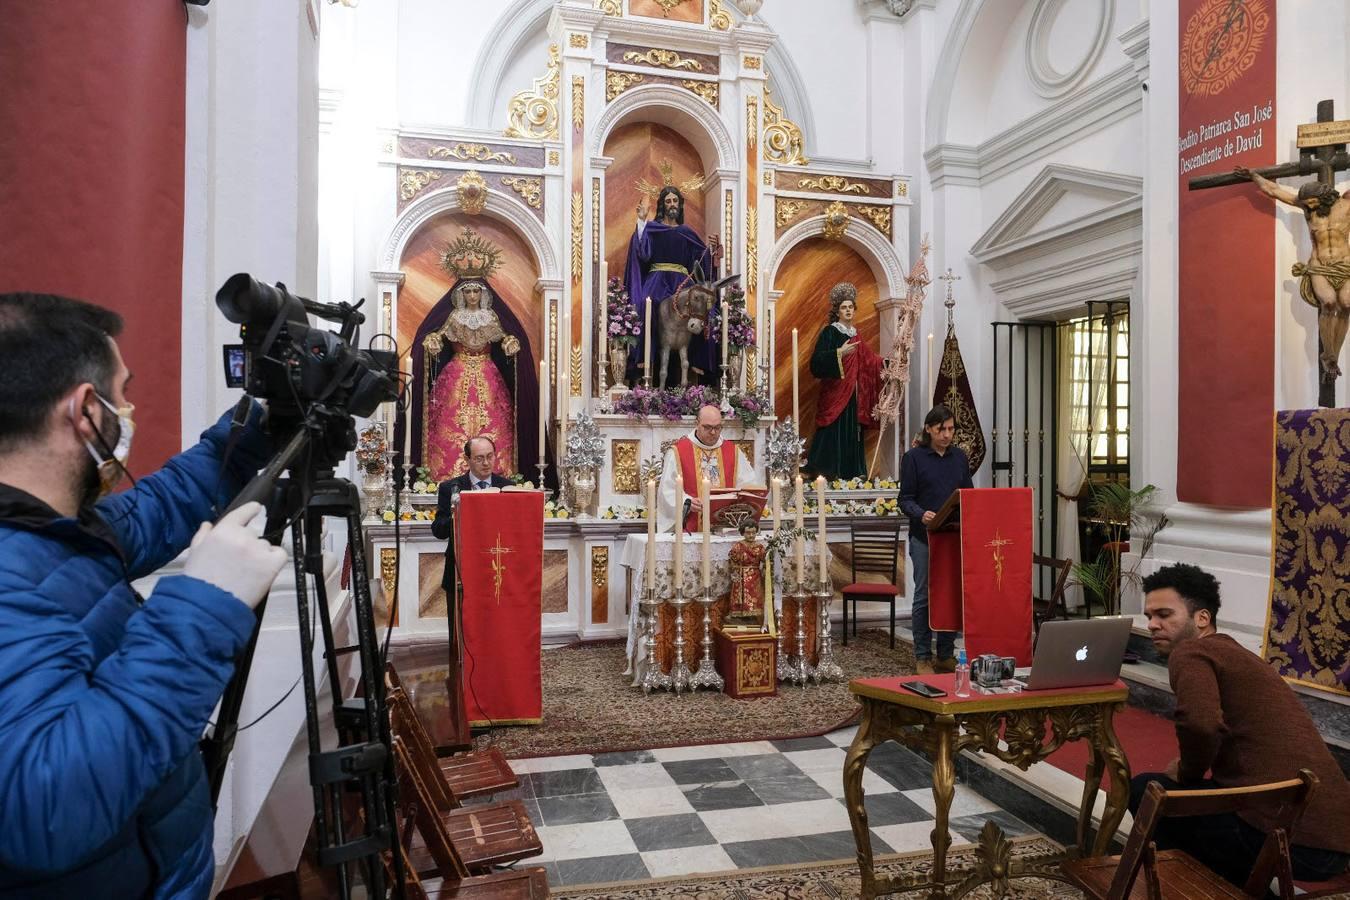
(554, 157)
(600, 568)
(610, 7)
(575, 380)
(752, 62)
(533, 113)
(836, 221)
(705, 89)
(413, 181)
(578, 102)
(880, 216)
(782, 138)
(473, 192)
(751, 122)
(728, 215)
(388, 571)
(717, 16)
(662, 59)
(531, 190)
(618, 82)
(580, 41)
(832, 183)
(786, 210)
(668, 5)
(578, 225)
(751, 372)
(596, 237)
(751, 248)
(625, 456)
(471, 153)
(902, 189)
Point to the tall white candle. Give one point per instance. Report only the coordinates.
(928, 400)
(707, 531)
(543, 408)
(602, 352)
(820, 527)
(775, 497)
(796, 409)
(798, 546)
(678, 571)
(647, 338)
(651, 534)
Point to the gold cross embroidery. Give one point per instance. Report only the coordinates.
(998, 543)
(498, 566)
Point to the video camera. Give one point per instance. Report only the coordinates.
(308, 376)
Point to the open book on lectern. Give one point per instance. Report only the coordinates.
(731, 507)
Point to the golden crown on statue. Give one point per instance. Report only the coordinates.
(471, 256)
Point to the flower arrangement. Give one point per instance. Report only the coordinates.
(554, 510)
(784, 448)
(625, 327)
(624, 512)
(667, 403)
(412, 515)
(748, 407)
(863, 484)
(371, 449)
(585, 447)
(740, 330)
(422, 482)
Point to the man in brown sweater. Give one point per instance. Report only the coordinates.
(1240, 724)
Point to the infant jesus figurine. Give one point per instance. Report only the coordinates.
(746, 564)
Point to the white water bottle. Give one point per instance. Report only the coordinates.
(962, 675)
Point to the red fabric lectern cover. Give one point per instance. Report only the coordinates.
(979, 580)
(501, 563)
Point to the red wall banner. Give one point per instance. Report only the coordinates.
(1226, 254)
(92, 118)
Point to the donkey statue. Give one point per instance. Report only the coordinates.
(683, 315)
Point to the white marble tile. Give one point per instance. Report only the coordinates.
(826, 760)
(844, 736)
(585, 840)
(635, 777)
(912, 836)
(645, 802)
(780, 820)
(678, 754)
(688, 861)
(965, 803)
(550, 764)
(834, 782)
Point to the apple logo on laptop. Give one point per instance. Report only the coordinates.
(1081, 653)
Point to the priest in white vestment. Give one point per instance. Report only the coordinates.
(702, 450)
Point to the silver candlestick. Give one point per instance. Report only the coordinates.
(726, 379)
(680, 675)
(802, 669)
(653, 678)
(542, 467)
(827, 669)
(784, 668)
(707, 675)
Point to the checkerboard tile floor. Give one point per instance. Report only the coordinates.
(686, 810)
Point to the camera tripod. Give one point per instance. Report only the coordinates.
(353, 783)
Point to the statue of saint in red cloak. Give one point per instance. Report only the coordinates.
(850, 379)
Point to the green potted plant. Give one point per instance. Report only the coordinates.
(1121, 513)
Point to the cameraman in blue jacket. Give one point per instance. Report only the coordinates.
(104, 693)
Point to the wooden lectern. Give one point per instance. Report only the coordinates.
(980, 568)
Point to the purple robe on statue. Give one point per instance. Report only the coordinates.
(661, 259)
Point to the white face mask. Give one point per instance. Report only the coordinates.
(111, 469)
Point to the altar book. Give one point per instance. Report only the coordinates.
(731, 507)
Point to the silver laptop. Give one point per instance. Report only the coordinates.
(1078, 653)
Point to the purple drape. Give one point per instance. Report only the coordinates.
(678, 245)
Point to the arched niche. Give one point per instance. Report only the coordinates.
(678, 110)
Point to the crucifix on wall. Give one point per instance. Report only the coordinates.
(1324, 280)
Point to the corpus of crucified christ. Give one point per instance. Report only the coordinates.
(636, 449)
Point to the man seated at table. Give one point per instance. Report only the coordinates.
(1237, 720)
(702, 450)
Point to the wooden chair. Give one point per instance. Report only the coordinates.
(876, 549)
(1174, 874)
(1053, 606)
(417, 808)
(477, 773)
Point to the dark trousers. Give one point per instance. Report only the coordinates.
(1225, 843)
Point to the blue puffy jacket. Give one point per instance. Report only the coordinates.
(104, 695)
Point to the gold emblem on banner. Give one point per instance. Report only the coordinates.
(997, 544)
(1220, 44)
(498, 566)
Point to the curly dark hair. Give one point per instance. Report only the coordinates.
(839, 294)
(1198, 588)
(1325, 195)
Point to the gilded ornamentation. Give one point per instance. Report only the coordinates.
(625, 456)
(832, 183)
(554, 158)
(553, 346)
(880, 216)
(387, 148)
(610, 7)
(471, 153)
(751, 122)
(751, 372)
(470, 256)
(752, 62)
(618, 82)
(768, 178)
(388, 571)
(578, 227)
(668, 5)
(690, 185)
(751, 248)
(784, 210)
(472, 191)
(902, 189)
(596, 236)
(708, 90)
(412, 182)
(531, 190)
(717, 16)
(782, 137)
(580, 41)
(748, 448)
(578, 102)
(729, 214)
(599, 584)
(662, 59)
(497, 552)
(836, 221)
(533, 113)
(575, 380)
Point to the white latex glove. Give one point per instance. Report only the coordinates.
(231, 556)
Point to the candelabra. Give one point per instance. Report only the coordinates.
(801, 671)
(653, 678)
(680, 676)
(827, 668)
(542, 467)
(707, 675)
(726, 381)
(784, 668)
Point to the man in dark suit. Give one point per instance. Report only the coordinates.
(481, 453)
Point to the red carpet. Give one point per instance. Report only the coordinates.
(1150, 743)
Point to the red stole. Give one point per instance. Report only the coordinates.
(862, 371)
(690, 458)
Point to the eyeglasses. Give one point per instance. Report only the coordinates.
(483, 457)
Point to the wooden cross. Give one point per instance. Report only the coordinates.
(1321, 152)
(998, 543)
(498, 566)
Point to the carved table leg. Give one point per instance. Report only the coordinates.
(944, 791)
(1091, 778)
(1118, 773)
(855, 763)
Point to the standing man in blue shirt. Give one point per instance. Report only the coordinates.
(928, 475)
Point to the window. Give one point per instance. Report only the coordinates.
(1099, 385)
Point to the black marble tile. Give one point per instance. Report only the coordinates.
(669, 832)
(700, 771)
(771, 852)
(568, 781)
(625, 758)
(597, 869)
(837, 845)
(774, 789)
(551, 868)
(892, 809)
(809, 743)
(573, 809)
(969, 827)
(721, 795)
(764, 765)
(905, 770)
